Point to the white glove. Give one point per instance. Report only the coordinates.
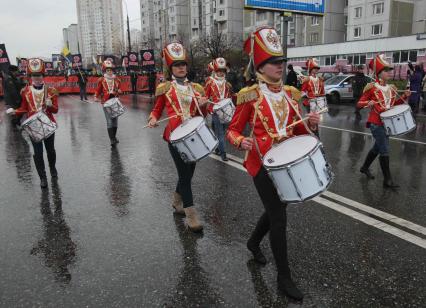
(49, 102)
(10, 111)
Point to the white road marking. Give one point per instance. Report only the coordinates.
(373, 222)
(236, 163)
(389, 217)
(368, 134)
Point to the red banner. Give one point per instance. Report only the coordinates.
(70, 84)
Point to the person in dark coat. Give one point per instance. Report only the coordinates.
(415, 88)
(82, 83)
(291, 77)
(134, 81)
(151, 82)
(12, 86)
(359, 81)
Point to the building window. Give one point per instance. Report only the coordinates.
(330, 60)
(314, 37)
(358, 12)
(376, 29)
(221, 12)
(357, 32)
(346, 20)
(378, 8)
(221, 1)
(314, 21)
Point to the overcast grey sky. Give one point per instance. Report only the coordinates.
(32, 28)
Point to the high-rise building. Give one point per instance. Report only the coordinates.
(100, 28)
(165, 21)
(136, 39)
(70, 37)
(372, 19)
(419, 17)
(304, 30)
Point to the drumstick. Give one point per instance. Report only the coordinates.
(165, 119)
(324, 110)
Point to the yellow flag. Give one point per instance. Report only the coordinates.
(65, 51)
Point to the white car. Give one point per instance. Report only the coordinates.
(339, 88)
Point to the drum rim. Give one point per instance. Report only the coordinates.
(296, 201)
(225, 99)
(405, 132)
(192, 132)
(395, 115)
(35, 116)
(296, 161)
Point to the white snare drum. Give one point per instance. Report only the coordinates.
(39, 126)
(114, 107)
(318, 103)
(193, 140)
(298, 168)
(225, 110)
(399, 120)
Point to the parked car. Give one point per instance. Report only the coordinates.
(339, 88)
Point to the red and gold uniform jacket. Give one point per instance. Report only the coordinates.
(103, 91)
(33, 102)
(213, 92)
(167, 97)
(385, 97)
(265, 131)
(312, 87)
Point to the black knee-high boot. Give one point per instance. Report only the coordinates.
(51, 157)
(111, 136)
(387, 181)
(39, 163)
(371, 156)
(115, 133)
(253, 244)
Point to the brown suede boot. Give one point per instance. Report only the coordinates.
(177, 204)
(192, 220)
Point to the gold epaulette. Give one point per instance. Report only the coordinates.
(198, 88)
(304, 79)
(368, 87)
(295, 93)
(247, 94)
(163, 88)
(54, 91)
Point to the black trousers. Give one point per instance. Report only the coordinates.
(274, 220)
(49, 144)
(185, 173)
(83, 94)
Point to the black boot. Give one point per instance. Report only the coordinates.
(224, 158)
(288, 287)
(111, 136)
(51, 157)
(384, 164)
(115, 133)
(258, 256)
(371, 156)
(39, 163)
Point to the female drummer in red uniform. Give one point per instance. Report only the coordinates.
(312, 86)
(38, 97)
(217, 89)
(109, 87)
(269, 108)
(179, 97)
(380, 96)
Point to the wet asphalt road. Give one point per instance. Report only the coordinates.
(104, 235)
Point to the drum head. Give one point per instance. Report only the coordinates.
(186, 128)
(111, 101)
(289, 151)
(395, 110)
(31, 118)
(222, 103)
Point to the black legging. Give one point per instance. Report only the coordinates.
(49, 144)
(274, 220)
(185, 172)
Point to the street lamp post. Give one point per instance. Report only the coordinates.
(128, 27)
